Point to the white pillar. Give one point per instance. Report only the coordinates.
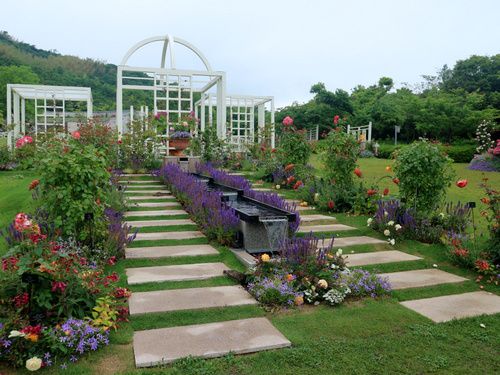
(119, 105)
(10, 135)
(370, 131)
(202, 113)
(17, 114)
(131, 113)
(273, 130)
(23, 115)
(221, 112)
(90, 109)
(261, 121)
(210, 111)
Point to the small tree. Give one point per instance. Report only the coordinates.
(483, 137)
(424, 173)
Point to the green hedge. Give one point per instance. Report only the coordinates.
(459, 153)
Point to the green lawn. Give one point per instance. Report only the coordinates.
(360, 337)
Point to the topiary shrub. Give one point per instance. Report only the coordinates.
(424, 173)
(293, 148)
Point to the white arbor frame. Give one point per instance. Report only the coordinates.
(357, 131)
(172, 88)
(50, 106)
(240, 117)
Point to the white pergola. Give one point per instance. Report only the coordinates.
(172, 88)
(358, 131)
(50, 106)
(240, 117)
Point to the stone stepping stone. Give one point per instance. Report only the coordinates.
(147, 191)
(146, 187)
(356, 240)
(184, 235)
(169, 251)
(164, 345)
(236, 174)
(420, 278)
(189, 299)
(183, 272)
(150, 197)
(136, 175)
(315, 217)
(379, 257)
(140, 182)
(158, 204)
(304, 208)
(171, 212)
(159, 223)
(457, 306)
(324, 228)
(262, 189)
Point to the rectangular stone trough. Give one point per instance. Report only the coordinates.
(183, 272)
(456, 306)
(189, 299)
(421, 278)
(169, 251)
(164, 345)
(183, 235)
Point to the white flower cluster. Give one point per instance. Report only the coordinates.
(483, 137)
(336, 296)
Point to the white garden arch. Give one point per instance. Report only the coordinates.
(172, 87)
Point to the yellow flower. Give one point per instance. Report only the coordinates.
(388, 168)
(322, 284)
(265, 258)
(34, 364)
(289, 277)
(299, 300)
(32, 337)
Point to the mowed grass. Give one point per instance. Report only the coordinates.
(374, 171)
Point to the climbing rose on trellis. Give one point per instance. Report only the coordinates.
(483, 137)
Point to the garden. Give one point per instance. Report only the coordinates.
(86, 216)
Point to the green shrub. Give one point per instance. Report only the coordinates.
(386, 151)
(293, 148)
(459, 153)
(424, 173)
(5, 156)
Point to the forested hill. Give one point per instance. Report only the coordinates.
(24, 63)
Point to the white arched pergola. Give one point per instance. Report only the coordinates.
(172, 87)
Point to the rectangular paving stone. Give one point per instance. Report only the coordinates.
(457, 306)
(147, 191)
(420, 278)
(262, 189)
(164, 345)
(169, 251)
(184, 235)
(183, 272)
(135, 175)
(140, 181)
(324, 228)
(158, 223)
(356, 240)
(147, 187)
(150, 197)
(315, 217)
(379, 257)
(189, 299)
(304, 208)
(170, 212)
(157, 204)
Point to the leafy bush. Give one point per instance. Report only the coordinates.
(293, 148)
(424, 173)
(340, 152)
(74, 181)
(136, 148)
(5, 156)
(459, 153)
(386, 151)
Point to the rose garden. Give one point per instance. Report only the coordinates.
(195, 239)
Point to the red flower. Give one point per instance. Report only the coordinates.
(59, 285)
(98, 201)
(34, 184)
(21, 299)
(123, 314)
(112, 261)
(336, 119)
(461, 253)
(122, 293)
(113, 277)
(482, 265)
(485, 200)
(288, 121)
(462, 183)
(10, 263)
(263, 148)
(290, 179)
(386, 191)
(37, 237)
(76, 135)
(371, 192)
(357, 172)
(297, 185)
(395, 180)
(23, 141)
(289, 167)
(120, 142)
(331, 205)
(273, 150)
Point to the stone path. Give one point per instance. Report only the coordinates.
(164, 345)
(420, 278)
(324, 228)
(156, 346)
(378, 257)
(315, 217)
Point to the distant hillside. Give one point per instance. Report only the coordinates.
(24, 63)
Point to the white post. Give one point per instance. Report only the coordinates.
(273, 130)
(10, 135)
(221, 107)
(202, 113)
(17, 115)
(90, 109)
(23, 115)
(261, 121)
(348, 129)
(370, 131)
(131, 113)
(119, 105)
(210, 111)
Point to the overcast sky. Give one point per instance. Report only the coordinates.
(271, 47)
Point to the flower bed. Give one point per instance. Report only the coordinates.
(309, 271)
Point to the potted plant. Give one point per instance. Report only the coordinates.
(181, 133)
